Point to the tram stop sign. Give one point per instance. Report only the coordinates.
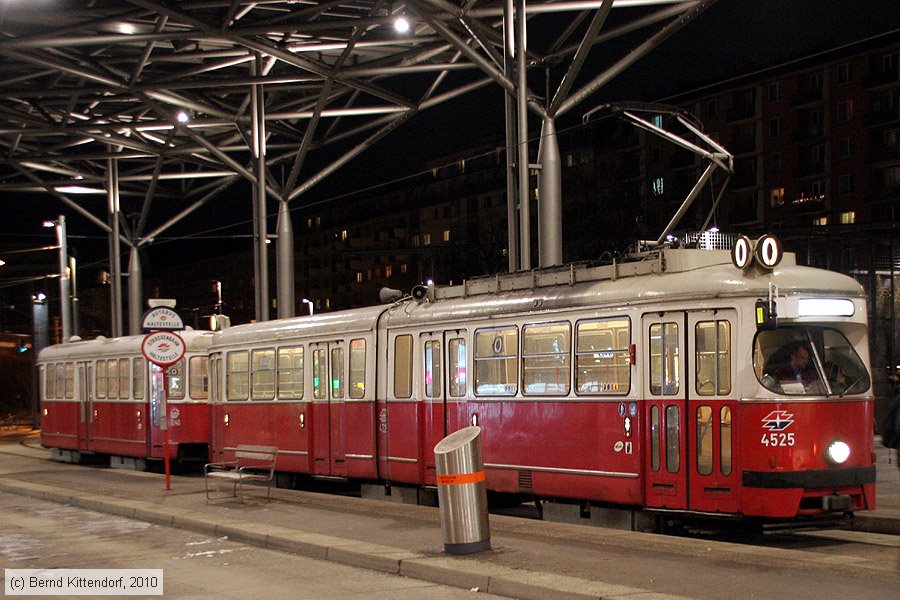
(162, 318)
(163, 348)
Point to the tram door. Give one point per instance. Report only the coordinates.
(85, 403)
(432, 348)
(217, 413)
(688, 381)
(329, 390)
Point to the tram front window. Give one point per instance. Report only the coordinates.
(808, 360)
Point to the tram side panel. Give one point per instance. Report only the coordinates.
(60, 415)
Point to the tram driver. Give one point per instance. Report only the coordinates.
(798, 375)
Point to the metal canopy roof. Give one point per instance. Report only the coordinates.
(90, 90)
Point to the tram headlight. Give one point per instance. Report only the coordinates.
(837, 452)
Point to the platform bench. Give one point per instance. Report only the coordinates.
(251, 464)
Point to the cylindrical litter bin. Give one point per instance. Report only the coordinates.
(462, 494)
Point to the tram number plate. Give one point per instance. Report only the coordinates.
(777, 439)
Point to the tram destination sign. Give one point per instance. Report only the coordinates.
(163, 348)
(162, 318)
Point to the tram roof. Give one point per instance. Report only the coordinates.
(128, 345)
(336, 323)
(673, 276)
(666, 276)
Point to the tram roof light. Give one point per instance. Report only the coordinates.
(826, 307)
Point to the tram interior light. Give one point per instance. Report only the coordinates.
(826, 307)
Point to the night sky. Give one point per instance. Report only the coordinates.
(732, 37)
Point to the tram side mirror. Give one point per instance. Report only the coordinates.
(766, 319)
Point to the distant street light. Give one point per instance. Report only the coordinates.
(308, 303)
(64, 292)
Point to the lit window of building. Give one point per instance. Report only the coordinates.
(388, 271)
(658, 186)
(359, 277)
(820, 222)
(848, 218)
(426, 239)
(446, 235)
(403, 268)
(776, 197)
(344, 234)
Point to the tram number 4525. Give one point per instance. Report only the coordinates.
(777, 439)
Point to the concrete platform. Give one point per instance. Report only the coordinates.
(529, 559)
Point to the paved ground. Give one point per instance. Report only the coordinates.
(530, 559)
(35, 534)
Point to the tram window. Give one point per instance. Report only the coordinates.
(199, 377)
(457, 350)
(673, 439)
(262, 374)
(124, 377)
(713, 360)
(137, 383)
(496, 361)
(237, 375)
(357, 368)
(112, 378)
(176, 380)
(61, 380)
(808, 360)
(432, 368)
(320, 375)
(725, 443)
(290, 372)
(664, 368)
(100, 386)
(704, 440)
(337, 372)
(70, 380)
(654, 438)
(545, 358)
(601, 357)
(50, 387)
(403, 359)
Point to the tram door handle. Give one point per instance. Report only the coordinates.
(474, 419)
(93, 415)
(302, 420)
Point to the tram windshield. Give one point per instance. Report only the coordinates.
(808, 360)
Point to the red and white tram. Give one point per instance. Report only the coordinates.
(665, 383)
(101, 397)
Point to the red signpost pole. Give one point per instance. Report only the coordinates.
(165, 428)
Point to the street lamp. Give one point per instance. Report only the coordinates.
(308, 303)
(65, 308)
(38, 343)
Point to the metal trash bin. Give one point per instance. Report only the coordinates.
(462, 494)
